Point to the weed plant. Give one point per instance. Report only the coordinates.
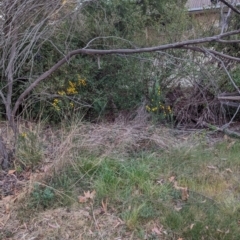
(29, 150)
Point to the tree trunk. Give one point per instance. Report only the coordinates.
(4, 156)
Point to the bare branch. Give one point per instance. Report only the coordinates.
(228, 41)
(230, 122)
(233, 98)
(203, 50)
(230, 6)
(156, 48)
(227, 72)
(113, 37)
(120, 51)
(225, 23)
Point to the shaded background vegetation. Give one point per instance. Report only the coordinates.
(174, 85)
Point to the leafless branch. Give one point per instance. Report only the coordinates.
(224, 67)
(228, 41)
(230, 122)
(234, 98)
(225, 20)
(112, 37)
(203, 50)
(230, 6)
(120, 51)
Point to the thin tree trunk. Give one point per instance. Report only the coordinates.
(4, 160)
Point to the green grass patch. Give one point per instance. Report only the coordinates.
(139, 191)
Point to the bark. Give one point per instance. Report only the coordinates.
(231, 6)
(4, 158)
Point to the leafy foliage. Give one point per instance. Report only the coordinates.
(113, 83)
(42, 197)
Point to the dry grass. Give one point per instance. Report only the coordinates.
(116, 151)
(119, 139)
(77, 223)
(60, 148)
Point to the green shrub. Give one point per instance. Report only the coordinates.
(42, 197)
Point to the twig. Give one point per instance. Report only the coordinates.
(3, 224)
(224, 130)
(95, 222)
(228, 124)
